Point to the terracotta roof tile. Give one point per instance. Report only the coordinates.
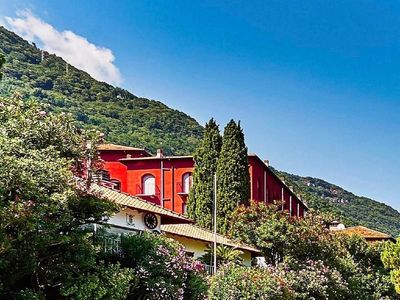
(137, 203)
(117, 147)
(365, 232)
(195, 232)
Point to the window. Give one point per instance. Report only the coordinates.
(187, 182)
(102, 175)
(148, 185)
(184, 208)
(116, 184)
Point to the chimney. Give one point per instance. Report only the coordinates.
(266, 161)
(160, 153)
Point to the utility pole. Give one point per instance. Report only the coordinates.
(215, 223)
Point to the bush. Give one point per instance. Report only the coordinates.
(162, 268)
(237, 282)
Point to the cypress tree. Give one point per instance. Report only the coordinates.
(2, 60)
(233, 178)
(201, 194)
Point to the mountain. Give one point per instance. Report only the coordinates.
(124, 118)
(349, 208)
(130, 120)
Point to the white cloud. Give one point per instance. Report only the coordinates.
(75, 49)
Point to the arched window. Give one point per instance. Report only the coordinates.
(187, 182)
(148, 185)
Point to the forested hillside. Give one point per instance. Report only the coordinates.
(123, 117)
(350, 208)
(130, 120)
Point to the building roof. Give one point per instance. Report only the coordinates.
(110, 147)
(367, 233)
(156, 158)
(167, 216)
(197, 233)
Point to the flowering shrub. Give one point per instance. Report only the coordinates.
(314, 280)
(238, 282)
(162, 268)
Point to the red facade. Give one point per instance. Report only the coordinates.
(166, 180)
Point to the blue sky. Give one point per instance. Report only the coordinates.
(314, 83)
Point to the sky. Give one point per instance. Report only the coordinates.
(315, 84)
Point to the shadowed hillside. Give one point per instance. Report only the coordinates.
(124, 118)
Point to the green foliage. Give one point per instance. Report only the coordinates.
(237, 282)
(201, 196)
(108, 282)
(42, 209)
(315, 280)
(233, 178)
(225, 254)
(391, 260)
(2, 60)
(349, 208)
(315, 262)
(124, 118)
(162, 267)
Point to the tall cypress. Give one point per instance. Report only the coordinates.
(202, 193)
(2, 60)
(233, 178)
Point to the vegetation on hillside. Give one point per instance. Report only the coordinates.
(349, 208)
(304, 260)
(130, 120)
(124, 118)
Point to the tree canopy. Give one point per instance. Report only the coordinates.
(233, 178)
(206, 156)
(312, 261)
(42, 209)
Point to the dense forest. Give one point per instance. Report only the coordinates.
(130, 120)
(350, 208)
(123, 117)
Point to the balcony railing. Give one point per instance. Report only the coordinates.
(209, 269)
(111, 244)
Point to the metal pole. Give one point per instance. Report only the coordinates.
(162, 182)
(215, 223)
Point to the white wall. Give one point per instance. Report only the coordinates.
(120, 219)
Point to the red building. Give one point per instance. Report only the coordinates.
(166, 180)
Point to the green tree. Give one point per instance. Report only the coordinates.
(206, 157)
(2, 60)
(233, 178)
(44, 249)
(391, 260)
(302, 248)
